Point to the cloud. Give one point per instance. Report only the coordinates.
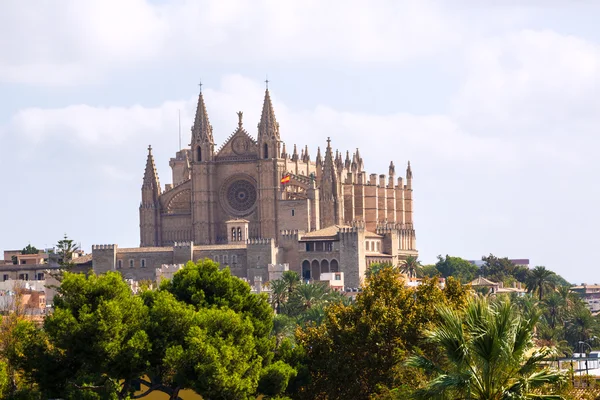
(72, 42)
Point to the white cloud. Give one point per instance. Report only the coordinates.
(74, 42)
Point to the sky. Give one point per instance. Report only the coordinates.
(494, 103)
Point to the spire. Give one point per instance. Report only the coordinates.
(268, 125)
(295, 154)
(392, 170)
(354, 164)
(409, 174)
(305, 154)
(339, 164)
(328, 164)
(283, 152)
(359, 161)
(202, 129)
(150, 174)
(347, 162)
(319, 160)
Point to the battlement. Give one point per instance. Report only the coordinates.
(103, 247)
(384, 227)
(290, 234)
(260, 241)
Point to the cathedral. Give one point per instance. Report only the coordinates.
(251, 205)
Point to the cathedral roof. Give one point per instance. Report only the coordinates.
(326, 233)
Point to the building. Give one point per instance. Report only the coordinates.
(480, 283)
(519, 262)
(590, 294)
(250, 203)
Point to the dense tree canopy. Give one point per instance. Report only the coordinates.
(360, 347)
(456, 267)
(487, 355)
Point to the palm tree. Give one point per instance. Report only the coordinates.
(488, 355)
(279, 293)
(411, 267)
(540, 280)
(292, 279)
(554, 306)
(307, 296)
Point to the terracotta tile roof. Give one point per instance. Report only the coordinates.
(82, 259)
(239, 220)
(481, 281)
(330, 232)
(372, 235)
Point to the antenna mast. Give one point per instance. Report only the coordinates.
(179, 119)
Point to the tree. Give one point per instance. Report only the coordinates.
(307, 296)
(279, 293)
(540, 280)
(292, 279)
(430, 270)
(497, 269)
(93, 341)
(29, 249)
(487, 355)
(411, 267)
(203, 285)
(65, 249)
(461, 269)
(375, 268)
(360, 347)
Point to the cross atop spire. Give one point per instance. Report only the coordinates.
(150, 149)
(200, 85)
(267, 82)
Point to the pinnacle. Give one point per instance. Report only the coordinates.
(268, 124)
(150, 174)
(319, 160)
(202, 130)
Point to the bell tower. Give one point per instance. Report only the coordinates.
(203, 192)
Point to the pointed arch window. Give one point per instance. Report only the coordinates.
(199, 154)
(266, 150)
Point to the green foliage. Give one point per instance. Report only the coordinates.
(275, 378)
(360, 348)
(540, 280)
(94, 338)
(487, 355)
(203, 285)
(456, 267)
(411, 267)
(65, 249)
(29, 249)
(430, 270)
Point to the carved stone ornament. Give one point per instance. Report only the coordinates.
(238, 196)
(240, 145)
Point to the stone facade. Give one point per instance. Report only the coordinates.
(250, 204)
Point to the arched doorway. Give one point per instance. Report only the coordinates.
(315, 272)
(305, 270)
(324, 266)
(333, 266)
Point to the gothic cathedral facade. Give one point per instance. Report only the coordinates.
(253, 202)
